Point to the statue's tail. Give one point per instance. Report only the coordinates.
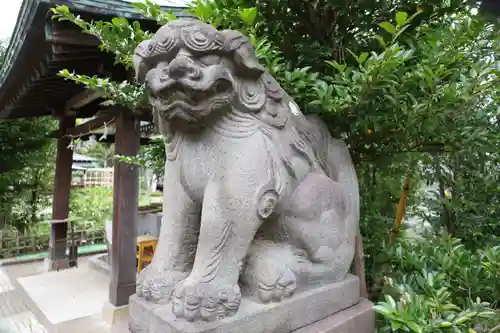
(336, 160)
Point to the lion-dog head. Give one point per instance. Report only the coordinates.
(191, 71)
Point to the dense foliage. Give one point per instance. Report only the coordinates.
(26, 166)
(413, 87)
(92, 206)
(437, 285)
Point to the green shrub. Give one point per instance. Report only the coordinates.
(92, 205)
(435, 284)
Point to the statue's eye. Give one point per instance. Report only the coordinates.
(210, 59)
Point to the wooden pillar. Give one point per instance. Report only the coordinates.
(125, 206)
(57, 258)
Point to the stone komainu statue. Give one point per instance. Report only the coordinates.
(258, 198)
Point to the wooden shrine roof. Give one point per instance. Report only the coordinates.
(40, 47)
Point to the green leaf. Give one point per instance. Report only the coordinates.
(462, 319)
(382, 310)
(390, 300)
(362, 57)
(451, 307)
(401, 18)
(396, 325)
(381, 40)
(414, 327)
(120, 22)
(389, 27)
(248, 15)
(445, 324)
(487, 314)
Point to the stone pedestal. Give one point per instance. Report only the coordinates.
(339, 303)
(55, 264)
(113, 314)
(359, 318)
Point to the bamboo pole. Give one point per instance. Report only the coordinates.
(398, 221)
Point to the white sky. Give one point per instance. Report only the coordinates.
(8, 17)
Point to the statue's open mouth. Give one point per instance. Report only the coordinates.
(193, 102)
(194, 96)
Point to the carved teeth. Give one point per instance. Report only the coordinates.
(185, 93)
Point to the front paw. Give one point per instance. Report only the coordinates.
(156, 285)
(209, 301)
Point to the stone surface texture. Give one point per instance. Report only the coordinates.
(15, 313)
(260, 202)
(357, 319)
(308, 307)
(19, 313)
(149, 224)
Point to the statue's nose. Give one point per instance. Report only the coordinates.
(180, 67)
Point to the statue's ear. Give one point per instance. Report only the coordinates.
(139, 60)
(245, 57)
(243, 53)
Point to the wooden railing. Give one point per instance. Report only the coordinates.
(13, 243)
(94, 177)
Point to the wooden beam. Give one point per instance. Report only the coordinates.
(57, 34)
(142, 115)
(111, 139)
(89, 126)
(80, 100)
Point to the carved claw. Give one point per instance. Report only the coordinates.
(157, 286)
(195, 300)
(283, 286)
(270, 270)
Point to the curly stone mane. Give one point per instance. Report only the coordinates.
(256, 91)
(200, 38)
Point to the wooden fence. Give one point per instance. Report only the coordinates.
(13, 243)
(94, 177)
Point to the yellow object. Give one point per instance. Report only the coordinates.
(143, 256)
(401, 208)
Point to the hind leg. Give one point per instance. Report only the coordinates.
(319, 220)
(316, 231)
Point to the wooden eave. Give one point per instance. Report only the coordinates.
(40, 47)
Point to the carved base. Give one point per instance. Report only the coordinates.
(302, 309)
(359, 318)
